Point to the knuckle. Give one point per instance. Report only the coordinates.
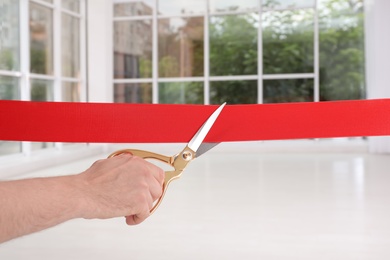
(136, 158)
(161, 175)
(141, 198)
(144, 187)
(98, 162)
(159, 193)
(143, 191)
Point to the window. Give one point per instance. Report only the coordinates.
(249, 51)
(41, 56)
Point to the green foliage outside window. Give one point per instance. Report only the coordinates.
(233, 92)
(9, 88)
(7, 61)
(342, 63)
(233, 45)
(288, 47)
(181, 93)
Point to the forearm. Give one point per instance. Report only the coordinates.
(31, 205)
(120, 186)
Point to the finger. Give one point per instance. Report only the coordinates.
(124, 154)
(142, 213)
(112, 162)
(152, 169)
(157, 173)
(138, 218)
(156, 189)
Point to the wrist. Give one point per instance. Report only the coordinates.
(75, 196)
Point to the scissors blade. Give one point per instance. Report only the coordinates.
(198, 138)
(204, 147)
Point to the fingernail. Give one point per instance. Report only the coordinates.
(126, 154)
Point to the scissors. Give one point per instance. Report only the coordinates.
(179, 162)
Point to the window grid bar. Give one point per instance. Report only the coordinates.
(260, 56)
(133, 18)
(71, 13)
(222, 13)
(43, 3)
(42, 76)
(162, 16)
(291, 8)
(239, 12)
(54, 78)
(155, 55)
(75, 80)
(234, 78)
(24, 84)
(186, 79)
(206, 57)
(57, 54)
(15, 74)
(213, 78)
(124, 81)
(316, 54)
(25, 50)
(289, 76)
(83, 53)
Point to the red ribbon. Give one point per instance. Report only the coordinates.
(145, 123)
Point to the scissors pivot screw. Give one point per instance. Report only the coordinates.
(187, 155)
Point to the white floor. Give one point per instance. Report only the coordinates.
(241, 206)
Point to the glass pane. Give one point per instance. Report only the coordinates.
(180, 47)
(233, 92)
(342, 65)
(181, 93)
(9, 35)
(133, 93)
(133, 49)
(288, 90)
(71, 5)
(10, 148)
(70, 46)
(136, 8)
(229, 5)
(169, 7)
(9, 88)
(288, 42)
(287, 3)
(71, 92)
(233, 45)
(41, 39)
(42, 90)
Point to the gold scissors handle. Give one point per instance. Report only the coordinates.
(178, 162)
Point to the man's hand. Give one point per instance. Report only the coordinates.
(123, 185)
(120, 186)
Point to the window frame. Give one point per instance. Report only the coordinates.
(206, 79)
(24, 74)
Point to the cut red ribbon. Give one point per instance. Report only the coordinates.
(146, 123)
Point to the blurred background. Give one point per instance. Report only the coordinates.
(188, 52)
(297, 199)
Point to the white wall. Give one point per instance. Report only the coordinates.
(377, 40)
(100, 50)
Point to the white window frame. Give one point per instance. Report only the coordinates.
(25, 76)
(206, 79)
